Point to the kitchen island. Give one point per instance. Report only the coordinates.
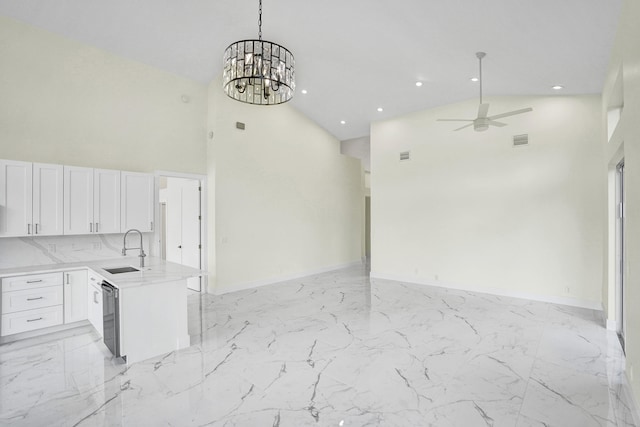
(152, 303)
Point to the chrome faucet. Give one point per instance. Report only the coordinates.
(125, 248)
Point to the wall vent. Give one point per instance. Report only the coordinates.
(405, 155)
(240, 125)
(520, 140)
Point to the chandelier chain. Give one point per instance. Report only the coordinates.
(260, 21)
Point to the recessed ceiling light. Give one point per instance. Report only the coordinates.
(304, 91)
(557, 87)
(342, 122)
(474, 79)
(418, 84)
(380, 109)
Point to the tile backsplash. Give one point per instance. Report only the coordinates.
(29, 251)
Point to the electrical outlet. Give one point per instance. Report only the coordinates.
(52, 247)
(436, 277)
(97, 246)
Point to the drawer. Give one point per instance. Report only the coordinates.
(94, 278)
(31, 281)
(29, 299)
(31, 320)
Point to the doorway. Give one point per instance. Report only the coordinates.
(180, 237)
(620, 255)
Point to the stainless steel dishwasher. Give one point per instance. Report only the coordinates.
(111, 318)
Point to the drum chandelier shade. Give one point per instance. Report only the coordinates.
(258, 72)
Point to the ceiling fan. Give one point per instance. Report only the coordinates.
(483, 121)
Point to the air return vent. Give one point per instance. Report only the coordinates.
(520, 140)
(405, 155)
(240, 125)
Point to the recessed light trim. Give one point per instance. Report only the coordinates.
(304, 91)
(380, 109)
(557, 87)
(419, 84)
(342, 122)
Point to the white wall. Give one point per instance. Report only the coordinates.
(287, 203)
(68, 103)
(469, 210)
(360, 148)
(626, 141)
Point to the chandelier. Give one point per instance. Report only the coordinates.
(258, 72)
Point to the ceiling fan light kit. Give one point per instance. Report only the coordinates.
(258, 72)
(482, 122)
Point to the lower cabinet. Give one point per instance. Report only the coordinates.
(94, 304)
(31, 302)
(75, 296)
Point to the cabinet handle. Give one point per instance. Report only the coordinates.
(34, 299)
(36, 228)
(28, 228)
(90, 227)
(34, 281)
(67, 278)
(95, 297)
(96, 227)
(34, 320)
(179, 246)
(151, 225)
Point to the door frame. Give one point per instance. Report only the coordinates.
(620, 253)
(203, 223)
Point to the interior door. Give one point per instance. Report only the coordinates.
(182, 230)
(191, 229)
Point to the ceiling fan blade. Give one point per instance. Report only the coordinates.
(465, 126)
(483, 110)
(454, 120)
(510, 113)
(494, 123)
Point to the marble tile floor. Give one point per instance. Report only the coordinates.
(335, 350)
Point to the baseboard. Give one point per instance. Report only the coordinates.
(220, 290)
(574, 302)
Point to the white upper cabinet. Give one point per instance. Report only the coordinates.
(47, 199)
(78, 200)
(15, 198)
(106, 201)
(91, 200)
(38, 199)
(137, 201)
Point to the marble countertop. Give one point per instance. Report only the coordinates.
(155, 271)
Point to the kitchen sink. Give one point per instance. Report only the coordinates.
(118, 270)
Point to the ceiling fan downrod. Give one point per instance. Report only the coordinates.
(480, 55)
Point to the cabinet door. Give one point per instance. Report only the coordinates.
(75, 296)
(106, 201)
(47, 199)
(15, 198)
(137, 201)
(78, 200)
(94, 307)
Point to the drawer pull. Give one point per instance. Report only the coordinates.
(34, 281)
(34, 320)
(34, 299)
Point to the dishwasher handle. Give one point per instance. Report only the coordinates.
(110, 289)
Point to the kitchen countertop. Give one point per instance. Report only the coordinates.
(155, 271)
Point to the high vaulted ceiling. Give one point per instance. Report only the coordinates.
(353, 56)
